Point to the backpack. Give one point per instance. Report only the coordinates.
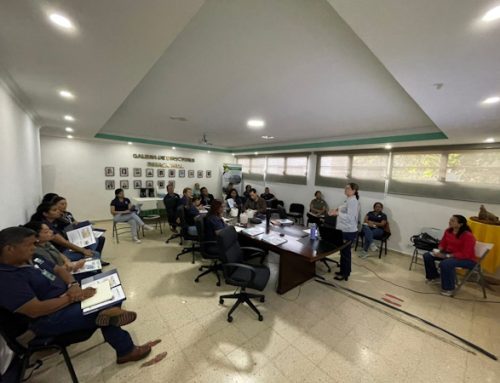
(424, 241)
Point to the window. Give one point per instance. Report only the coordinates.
(416, 167)
(474, 167)
(276, 165)
(296, 166)
(334, 166)
(372, 167)
(257, 165)
(245, 164)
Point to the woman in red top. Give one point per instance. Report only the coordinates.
(456, 249)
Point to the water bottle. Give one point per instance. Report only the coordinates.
(313, 232)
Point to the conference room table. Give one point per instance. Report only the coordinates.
(298, 255)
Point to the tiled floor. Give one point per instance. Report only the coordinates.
(314, 333)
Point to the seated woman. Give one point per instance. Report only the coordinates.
(374, 227)
(50, 297)
(192, 206)
(48, 213)
(234, 200)
(456, 249)
(123, 211)
(214, 221)
(68, 219)
(46, 250)
(206, 197)
(318, 208)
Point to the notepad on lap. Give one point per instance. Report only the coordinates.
(103, 294)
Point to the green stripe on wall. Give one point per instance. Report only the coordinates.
(309, 145)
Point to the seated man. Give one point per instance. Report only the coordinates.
(267, 195)
(374, 227)
(317, 208)
(254, 202)
(171, 201)
(50, 296)
(206, 197)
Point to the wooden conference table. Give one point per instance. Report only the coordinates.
(298, 256)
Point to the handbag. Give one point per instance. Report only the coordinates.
(424, 241)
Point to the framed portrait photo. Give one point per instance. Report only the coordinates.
(123, 172)
(182, 173)
(137, 172)
(109, 184)
(150, 184)
(124, 184)
(208, 173)
(137, 184)
(190, 173)
(109, 171)
(160, 173)
(171, 173)
(150, 172)
(199, 173)
(161, 184)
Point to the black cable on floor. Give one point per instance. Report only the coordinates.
(465, 341)
(420, 292)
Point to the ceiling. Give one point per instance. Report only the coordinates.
(317, 71)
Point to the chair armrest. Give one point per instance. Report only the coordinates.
(253, 252)
(240, 266)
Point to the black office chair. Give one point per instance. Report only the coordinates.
(383, 242)
(185, 234)
(276, 202)
(238, 273)
(296, 212)
(13, 325)
(209, 250)
(171, 206)
(330, 234)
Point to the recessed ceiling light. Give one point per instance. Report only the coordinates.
(233, 154)
(69, 129)
(69, 136)
(256, 123)
(173, 147)
(66, 94)
(69, 118)
(208, 151)
(489, 140)
(129, 143)
(256, 153)
(492, 14)
(61, 21)
(491, 100)
(268, 137)
(388, 146)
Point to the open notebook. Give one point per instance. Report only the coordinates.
(103, 294)
(115, 286)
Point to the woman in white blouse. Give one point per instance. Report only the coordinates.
(347, 221)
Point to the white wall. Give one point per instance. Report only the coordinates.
(20, 176)
(407, 214)
(75, 170)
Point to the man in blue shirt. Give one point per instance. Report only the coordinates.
(49, 296)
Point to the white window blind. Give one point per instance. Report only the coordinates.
(334, 166)
(419, 167)
(474, 167)
(276, 165)
(245, 164)
(373, 167)
(257, 165)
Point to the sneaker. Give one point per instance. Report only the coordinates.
(447, 293)
(433, 281)
(148, 228)
(363, 254)
(373, 247)
(136, 240)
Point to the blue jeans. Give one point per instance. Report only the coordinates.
(71, 319)
(345, 253)
(370, 234)
(448, 266)
(74, 256)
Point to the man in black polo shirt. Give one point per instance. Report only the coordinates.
(49, 296)
(171, 201)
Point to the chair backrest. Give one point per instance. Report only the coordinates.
(229, 247)
(297, 208)
(331, 234)
(482, 248)
(12, 326)
(181, 214)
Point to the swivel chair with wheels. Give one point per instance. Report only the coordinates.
(185, 235)
(240, 274)
(209, 250)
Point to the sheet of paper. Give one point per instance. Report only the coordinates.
(273, 239)
(253, 231)
(82, 237)
(90, 265)
(118, 296)
(103, 294)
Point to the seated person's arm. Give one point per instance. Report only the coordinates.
(36, 308)
(60, 240)
(312, 209)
